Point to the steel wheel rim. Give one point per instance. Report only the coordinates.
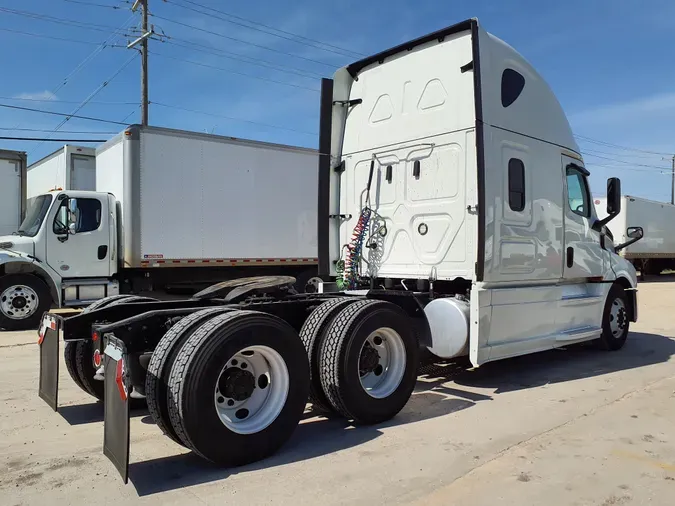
(18, 302)
(618, 317)
(247, 410)
(381, 380)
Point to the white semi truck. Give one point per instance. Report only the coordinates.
(454, 215)
(12, 190)
(173, 210)
(655, 253)
(68, 168)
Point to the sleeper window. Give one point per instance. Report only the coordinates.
(577, 192)
(512, 86)
(516, 185)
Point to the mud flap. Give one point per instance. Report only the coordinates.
(116, 406)
(49, 360)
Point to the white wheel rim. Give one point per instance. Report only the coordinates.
(382, 378)
(618, 317)
(19, 302)
(252, 389)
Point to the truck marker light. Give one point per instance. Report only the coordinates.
(97, 358)
(119, 379)
(95, 336)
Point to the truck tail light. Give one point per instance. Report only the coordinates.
(97, 358)
(95, 336)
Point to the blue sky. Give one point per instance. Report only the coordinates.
(610, 62)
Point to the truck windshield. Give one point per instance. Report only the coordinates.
(35, 215)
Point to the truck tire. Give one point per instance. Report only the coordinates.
(84, 350)
(238, 387)
(368, 361)
(615, 320)
(69, 354)
(24, 298)
(312, 334)
(160, 365)
(85, 369)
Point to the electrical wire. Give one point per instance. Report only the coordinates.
(260, 46)
(53, 113)
(269, 30)
(617, 146)
(95, 92)
(62, 39)
(60, 21)
(93, 4)
(206, 65)
(625, 162)
(42, 140)
(59, 101)
(277, 127)
(187, 44)
(82, 132)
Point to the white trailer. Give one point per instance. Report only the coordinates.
(12, 190)
(655, 252)
(67, 168)
(454, 215)
(172, 211)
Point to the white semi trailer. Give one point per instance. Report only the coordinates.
(12, 190)
(655, 253)
(68, 168)
(454, 215)
(173, 210)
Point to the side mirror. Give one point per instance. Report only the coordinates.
(72, 228)
(613, 196)
(613, 202)
(635, 234)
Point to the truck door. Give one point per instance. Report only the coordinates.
(583, 256)
(78, 237)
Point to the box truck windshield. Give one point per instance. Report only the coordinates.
(35, 216)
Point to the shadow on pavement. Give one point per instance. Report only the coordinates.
(79, 414)
(438, 393)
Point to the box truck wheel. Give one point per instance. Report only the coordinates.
(369, 360)
(161, 363)
(23, 300)
(312, 335)
(615, 320)
(69, 354)
(238, 387)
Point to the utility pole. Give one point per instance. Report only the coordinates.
(672, 186)
(143, 40)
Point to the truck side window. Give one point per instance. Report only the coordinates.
(516, 185)
(578, 195)
(512, 86)
(87, 216)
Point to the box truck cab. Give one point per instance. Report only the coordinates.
(465, 176)
(64, 235)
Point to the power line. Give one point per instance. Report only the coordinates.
(59, 101)
(218, 34)
(187, 44)
(43, 140)
(59, 21)
(93, 4)
(63, 39)
(625, 155)
(617, 146)
(260, 27)
(94, 93)
(277, 127)
(625, 162)
(53, 113)
(206, 65)
(81, 132)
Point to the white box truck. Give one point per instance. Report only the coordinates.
(655, 252)
(12, 190)
(67, 168)
(173, 211)
(454, 213)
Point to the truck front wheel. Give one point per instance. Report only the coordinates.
(23, 300)
(615, 320)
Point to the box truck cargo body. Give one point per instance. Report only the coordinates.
(12, 190)
(67, 168)
(655, 252)
(454, 217)
(172, 211)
